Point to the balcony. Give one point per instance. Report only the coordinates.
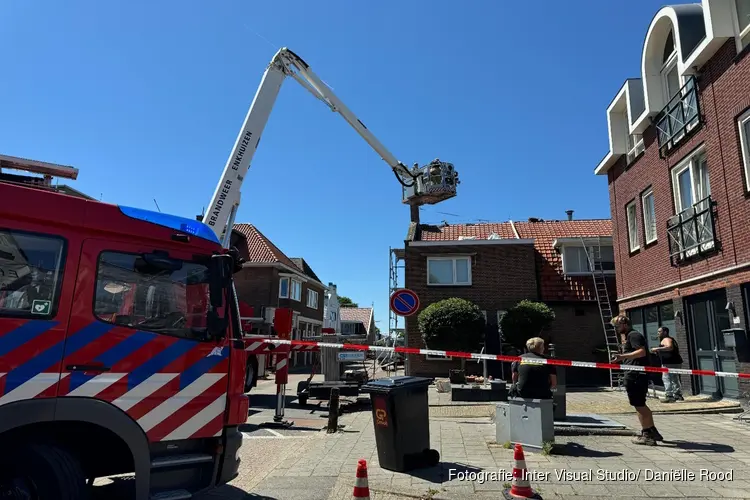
(680, 116)
(692, 232)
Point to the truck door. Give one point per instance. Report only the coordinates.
(36, 289)
(148, 351)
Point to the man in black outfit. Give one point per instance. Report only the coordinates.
(533, 379)
(636, 382)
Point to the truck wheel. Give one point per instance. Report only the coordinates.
(43, 472)
(251, 373)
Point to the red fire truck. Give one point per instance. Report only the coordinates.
(120, 346)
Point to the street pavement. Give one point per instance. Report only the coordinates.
(305, 463)
(310, 464)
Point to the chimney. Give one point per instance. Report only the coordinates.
(570, 214)
(414, 213)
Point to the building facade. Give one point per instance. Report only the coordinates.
(678, 172)
(269, 280)
(496, 266)
(358, 321)
(331, 313)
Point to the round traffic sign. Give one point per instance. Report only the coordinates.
(404, 302)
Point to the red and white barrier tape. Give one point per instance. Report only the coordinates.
(509, 359)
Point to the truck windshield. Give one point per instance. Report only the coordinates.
(131, 293)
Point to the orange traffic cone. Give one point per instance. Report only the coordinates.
(520, 486)
(361, 488)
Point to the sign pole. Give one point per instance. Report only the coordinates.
(404, 302)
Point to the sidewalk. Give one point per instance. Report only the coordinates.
(714, 443)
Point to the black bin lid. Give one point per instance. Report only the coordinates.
(391, 384)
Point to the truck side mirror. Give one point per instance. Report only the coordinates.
(220, 277)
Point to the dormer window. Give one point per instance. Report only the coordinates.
(669, 48)
(669, 75)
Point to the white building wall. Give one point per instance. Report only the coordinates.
(331, 309)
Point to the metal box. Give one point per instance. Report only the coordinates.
(529, 422)
(502, 423)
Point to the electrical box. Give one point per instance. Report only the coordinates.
(736, 339)
(529, 422)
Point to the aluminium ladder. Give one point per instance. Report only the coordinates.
(594, 258)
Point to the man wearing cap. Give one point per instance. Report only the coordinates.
(636, 382)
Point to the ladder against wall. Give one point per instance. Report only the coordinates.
(593, 249)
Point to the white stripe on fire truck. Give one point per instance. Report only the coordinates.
(200, 419)
(143, 390)
(171, 405)
(32, 387)
(254, 346)
(281, 363)
(96, 385)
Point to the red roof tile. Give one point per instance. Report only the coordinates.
(357, 315)
(455, 232)
(554, 285)
(260, 249)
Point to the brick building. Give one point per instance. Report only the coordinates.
(497, 265)
(677, 170)
(270, 279)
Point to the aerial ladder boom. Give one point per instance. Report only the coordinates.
(429, 184)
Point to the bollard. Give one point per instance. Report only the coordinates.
(559, 397)
(333, 411)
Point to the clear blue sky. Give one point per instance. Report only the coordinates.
(146, 99)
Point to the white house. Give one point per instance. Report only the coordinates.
(331, 313)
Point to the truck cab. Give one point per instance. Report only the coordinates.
(120, 349)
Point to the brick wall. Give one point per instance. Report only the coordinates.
(502, 275)
(576, 332)
(724, 94)
(259, 286)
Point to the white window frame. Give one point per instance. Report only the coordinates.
(666, 68)
(739, 35)
(292, 283)
(590, 249)
(635, 147)
(288, 288)
(745, 143)
(312, 294)
(632, 245)
(691, 164)
(453, 258)
(646, 225)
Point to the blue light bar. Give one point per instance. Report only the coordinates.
(182, 224)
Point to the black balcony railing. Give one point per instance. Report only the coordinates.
(692, 232)
(681, 115)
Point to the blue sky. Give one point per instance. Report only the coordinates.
(146, 99)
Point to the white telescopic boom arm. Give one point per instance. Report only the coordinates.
(226, 198)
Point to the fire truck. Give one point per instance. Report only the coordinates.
(426, 185)
(120, 345)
